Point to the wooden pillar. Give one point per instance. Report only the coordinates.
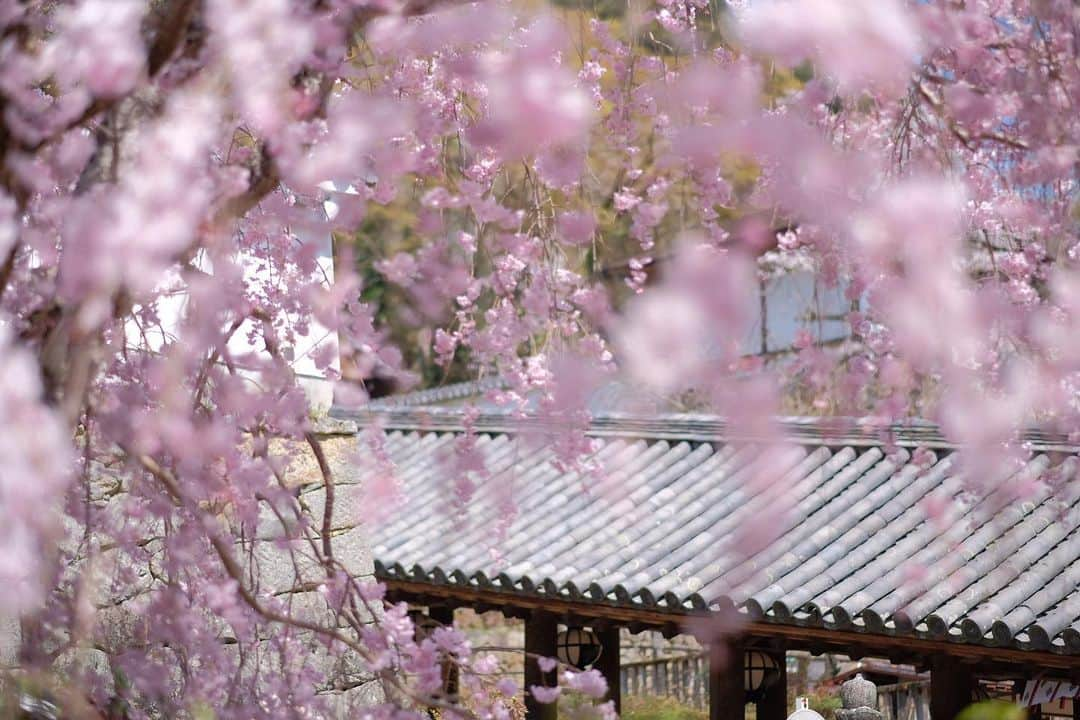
(727, 697)
(952, 687)
(445, 616)
(774, 706)
(541, 630)
(609, 665)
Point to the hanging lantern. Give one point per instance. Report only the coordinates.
(760, 672)
(578, 647)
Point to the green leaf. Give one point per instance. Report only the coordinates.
(202, 711)
(993, 710)
(804, 72)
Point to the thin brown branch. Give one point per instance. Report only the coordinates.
(172, 29)
(328, 505)
(170, 33)
(7, 268)
(232, 566)
(266, 179)
(235, 571)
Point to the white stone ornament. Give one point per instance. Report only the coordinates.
(803, 711)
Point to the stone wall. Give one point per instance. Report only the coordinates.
(349, 687)
(279, 566)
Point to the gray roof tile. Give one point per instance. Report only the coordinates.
(654, 528)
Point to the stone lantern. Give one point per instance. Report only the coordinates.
(859, 698)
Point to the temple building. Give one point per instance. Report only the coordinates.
(650, 535)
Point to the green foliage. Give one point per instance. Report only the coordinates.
(203, 712)
(395, 227)
(822, 700)
(804, 73)
(22, 694)
(993, 710)
(781, 82)
(649, 707)
(603, 9)
(386, 230)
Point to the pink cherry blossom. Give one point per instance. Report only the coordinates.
(856, 44)
(218, 218)
(545, 695)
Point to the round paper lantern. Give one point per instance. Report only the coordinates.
(578, 647)
(760, 672)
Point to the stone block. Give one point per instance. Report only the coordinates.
(283, 566)
(348, 510)
(10, 638)
(351, 703)
(120, 627)
(89, 663)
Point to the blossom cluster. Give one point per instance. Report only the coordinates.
(203, 202)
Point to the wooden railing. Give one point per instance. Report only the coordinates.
(905, 701)
(684, 678)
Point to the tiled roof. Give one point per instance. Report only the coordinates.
(608, 398)
(653, 530)
(437, 395)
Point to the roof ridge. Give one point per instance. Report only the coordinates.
(442, 393)
(694, 427)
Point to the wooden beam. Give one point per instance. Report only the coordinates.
(445, 616)
(609, 665)
(796, 636)
(952, 688)
(727, 696)
(774, 706)
(541, 630)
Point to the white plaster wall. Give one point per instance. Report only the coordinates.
(173, 305)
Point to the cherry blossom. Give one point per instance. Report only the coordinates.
(208, 209)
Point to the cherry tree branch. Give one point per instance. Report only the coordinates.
(328, 485)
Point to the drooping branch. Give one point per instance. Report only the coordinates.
(176, 18)
(328, 485)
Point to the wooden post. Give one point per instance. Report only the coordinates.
(727, 697)
(541, 630)
(608, 665)
(952, 687)
(445, 616)
(774, 706)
